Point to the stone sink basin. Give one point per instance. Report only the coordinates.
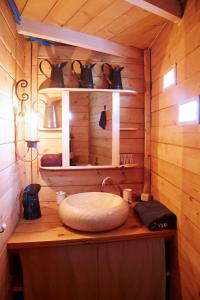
(93, 211)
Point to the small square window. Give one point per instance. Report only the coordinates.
(189, 112)
(169, 78)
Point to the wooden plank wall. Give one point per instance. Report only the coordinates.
(176, 148)
(87, 181)
(131, 115)
(11, 169)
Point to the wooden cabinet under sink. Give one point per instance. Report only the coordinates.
(59, 263)
(98, 271)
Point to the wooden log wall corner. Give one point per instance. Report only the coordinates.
(11, 135)
(147, 121)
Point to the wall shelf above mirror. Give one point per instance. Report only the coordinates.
(88, 167)
(58, 91)
(103, 143)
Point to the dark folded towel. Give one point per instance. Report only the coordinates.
(51, 160)
(155, 215)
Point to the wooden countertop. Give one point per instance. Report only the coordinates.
(49, 231)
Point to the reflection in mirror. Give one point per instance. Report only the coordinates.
(90, 127)
(90, 143)
(100, 129)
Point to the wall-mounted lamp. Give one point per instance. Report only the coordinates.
(30, 200)
(31, 120)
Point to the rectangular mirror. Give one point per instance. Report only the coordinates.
(90, 142)
(90, 124)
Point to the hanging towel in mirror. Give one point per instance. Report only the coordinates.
(102, 121)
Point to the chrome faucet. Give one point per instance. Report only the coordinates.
(108, 180)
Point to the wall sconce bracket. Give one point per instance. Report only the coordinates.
(22, 96)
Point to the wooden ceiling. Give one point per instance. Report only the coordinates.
(114, 20)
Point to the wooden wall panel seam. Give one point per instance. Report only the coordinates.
(178, 146)
(173, 184)
(161, 90)
(156, 79)
(172, 144)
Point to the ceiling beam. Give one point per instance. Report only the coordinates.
(168, 9)
(70, 37)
